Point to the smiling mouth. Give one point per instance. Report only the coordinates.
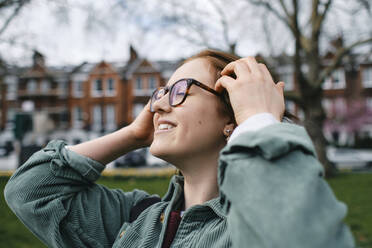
(165, 127)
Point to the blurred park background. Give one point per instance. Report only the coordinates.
(76, 70)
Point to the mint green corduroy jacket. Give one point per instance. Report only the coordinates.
(272, 195)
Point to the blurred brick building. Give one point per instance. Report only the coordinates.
(105, 96)
(347, 97)
(92, 96)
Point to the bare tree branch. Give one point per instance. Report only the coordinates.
(20, 4)
(338, 59)
(224, 24)
(318, 18)
(276, 13)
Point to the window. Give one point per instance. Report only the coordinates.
(290, 106)
(110, 90)
(77, 117)
(97, 87)
(11, 91)
(137, 109)
(139, 90)
(327, 84)
(139, 85)
(10, 119)
(338, 79)
(63, 88)
(369, 103)
(45, 86)
(287, 78)
(152, 83)
(78, 88)
(31, 86)
(327, 106)
(367, 77)
(110, 117)
(97, 117)
(340, 105)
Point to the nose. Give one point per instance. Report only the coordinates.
(162, 104)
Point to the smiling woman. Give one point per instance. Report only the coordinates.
(247, 177)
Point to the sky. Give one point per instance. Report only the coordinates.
(73, 38)
(77, 34)
(86, 30)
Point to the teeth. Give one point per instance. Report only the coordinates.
(165, 126)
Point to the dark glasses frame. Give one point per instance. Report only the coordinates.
(190, 81)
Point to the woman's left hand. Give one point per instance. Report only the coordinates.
(253, 91)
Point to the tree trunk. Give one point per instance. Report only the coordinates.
(314, 120)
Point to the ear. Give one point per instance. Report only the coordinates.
(228, 129)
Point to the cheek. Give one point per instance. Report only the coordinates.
(204, 125)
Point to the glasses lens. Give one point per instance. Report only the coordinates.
(178, 92)
(158, 93)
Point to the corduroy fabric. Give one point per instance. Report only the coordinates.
(173, 223)
(272, 194)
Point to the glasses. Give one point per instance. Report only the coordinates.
(178, 92)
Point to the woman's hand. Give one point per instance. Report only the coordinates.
(253, 91)
(142, 127)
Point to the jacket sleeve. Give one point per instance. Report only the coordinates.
(55, 196)
(274, 193)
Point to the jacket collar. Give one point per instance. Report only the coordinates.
(176, 187)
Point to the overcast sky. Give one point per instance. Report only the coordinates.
(95, 30)
(72, 39)
(77, 35)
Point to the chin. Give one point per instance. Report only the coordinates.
(160, 152)
(164, 152)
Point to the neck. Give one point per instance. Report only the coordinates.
(200, 180)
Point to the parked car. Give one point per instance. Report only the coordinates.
(153, 161)
(135, 158)
(346, 158)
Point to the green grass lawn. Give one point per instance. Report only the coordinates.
(353, 189)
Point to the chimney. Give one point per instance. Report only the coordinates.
(133, 53)
(38, 59)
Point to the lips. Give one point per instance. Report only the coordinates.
(165, 125)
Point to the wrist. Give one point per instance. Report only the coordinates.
(136, 137)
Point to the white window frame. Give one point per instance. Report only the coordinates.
(369, 103)
(45, 86)
(97, 117)
(12, 87)
(288, 80)
(10, 118)
(340, 105)
(290, 106)
(327, 106)
(76, 91)
(31, 86)
(110, 117)
(63, 88)
(340, 74)
(110, 92)
(137, 108)
(77, 117)
(139, 91)
(327, 84)
(367, 77)
(153, 80)
(95, 91)
(287, 76)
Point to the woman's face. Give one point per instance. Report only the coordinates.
(196, 126)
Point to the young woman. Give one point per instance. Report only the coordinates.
(248, 180)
